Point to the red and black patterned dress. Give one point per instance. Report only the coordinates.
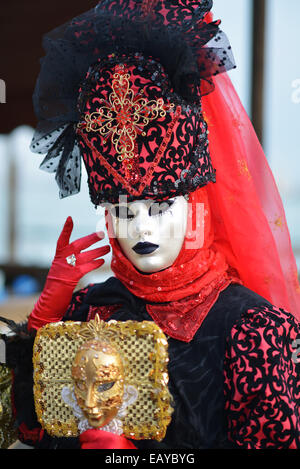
(236, 384)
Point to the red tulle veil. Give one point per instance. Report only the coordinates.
(248, 214)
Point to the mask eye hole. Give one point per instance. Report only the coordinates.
(159, 208)
(105, 386)
(81, 385)
(122, 211)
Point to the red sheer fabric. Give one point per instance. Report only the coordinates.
(248, 215)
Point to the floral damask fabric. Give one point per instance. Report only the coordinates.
(262, 380)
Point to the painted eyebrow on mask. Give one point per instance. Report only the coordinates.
(124, 212)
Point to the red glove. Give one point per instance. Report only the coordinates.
(63, 277)
(95, 438)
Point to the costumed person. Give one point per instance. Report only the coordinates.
(138, 90)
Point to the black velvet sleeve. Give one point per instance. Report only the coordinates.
(19, 360)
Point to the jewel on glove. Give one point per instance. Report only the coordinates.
(71, 260)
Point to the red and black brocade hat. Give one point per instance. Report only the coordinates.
(120, 86)
(135, 135)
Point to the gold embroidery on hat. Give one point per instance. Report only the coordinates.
(124, 115)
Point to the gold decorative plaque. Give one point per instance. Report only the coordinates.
(143, 348)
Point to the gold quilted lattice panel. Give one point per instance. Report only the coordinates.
(143, 348)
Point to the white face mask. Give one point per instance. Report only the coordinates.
(150, 233)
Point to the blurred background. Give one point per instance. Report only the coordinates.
(264, 38)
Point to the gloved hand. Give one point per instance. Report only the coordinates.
(64, 276)
(95, 438)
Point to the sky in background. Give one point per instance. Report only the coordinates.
(282, 107)
(282, 94)
(236, 18)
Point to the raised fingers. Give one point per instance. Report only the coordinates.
(92, 254)
(92, 265)
(87, 241)
(65, 235)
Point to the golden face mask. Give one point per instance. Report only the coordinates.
(84, 371)
(98, 377)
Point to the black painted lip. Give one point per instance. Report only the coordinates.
(145, 248)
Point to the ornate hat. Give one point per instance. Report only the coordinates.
(120, 86)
